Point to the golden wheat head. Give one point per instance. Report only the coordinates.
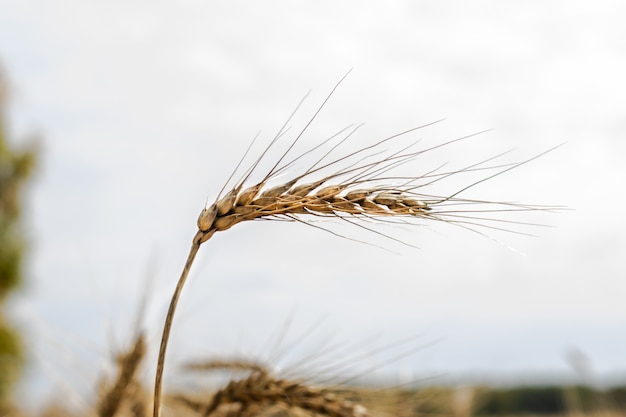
(361, 186)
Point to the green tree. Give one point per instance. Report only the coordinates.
(15, 168)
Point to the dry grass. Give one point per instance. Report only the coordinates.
(359, 189)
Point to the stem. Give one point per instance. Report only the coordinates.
(158, 383)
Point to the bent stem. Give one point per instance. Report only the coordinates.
(158, 382)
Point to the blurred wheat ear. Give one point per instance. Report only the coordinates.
(261, 394)
(365, 189)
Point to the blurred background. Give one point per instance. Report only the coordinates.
(140, 110)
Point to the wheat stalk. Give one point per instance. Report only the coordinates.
(364, 191)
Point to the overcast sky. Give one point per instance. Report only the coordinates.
(144, 108)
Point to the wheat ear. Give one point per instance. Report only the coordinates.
(259, 390)
(127, 368)
(239, 364)
(363, 191)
